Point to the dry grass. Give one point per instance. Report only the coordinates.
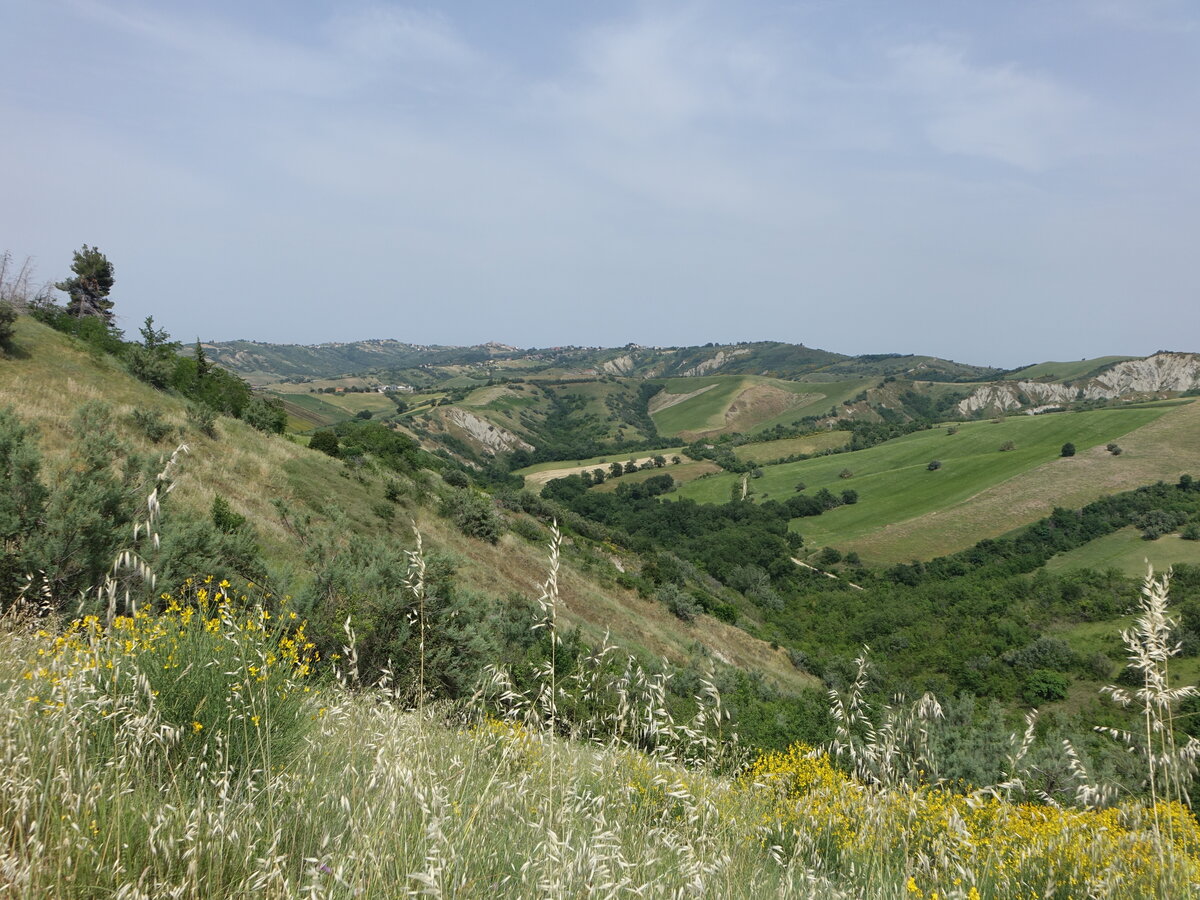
(103, 793)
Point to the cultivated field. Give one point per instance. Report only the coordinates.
(745, 403)
(767, 451)
(906, 511)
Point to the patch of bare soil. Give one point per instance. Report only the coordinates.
(758, 403)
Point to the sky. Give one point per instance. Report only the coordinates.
(996, 183)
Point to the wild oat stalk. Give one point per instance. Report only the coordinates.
(414, 582)
(129, 560)
(1170, 768)
(895, 752)
(548, 603)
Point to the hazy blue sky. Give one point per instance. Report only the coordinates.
(998, 182)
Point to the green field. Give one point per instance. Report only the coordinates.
(309, 411)
(766, 451)
(747, 403)
(894, 483)
(1127, 551)
(352, 403)
(1064, 371)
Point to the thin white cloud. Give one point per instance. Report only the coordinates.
(1156, 16)
(389, 34)
(1001, 113)
(659, 75)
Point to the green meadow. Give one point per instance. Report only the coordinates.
(1128, 552)
(1064, 371)
(766, 451)
(710, 411)
(893, 480)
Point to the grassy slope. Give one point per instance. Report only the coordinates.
(1127, 551)
(907, 512)
(709, 413)
(1064, 371)
(51, 375)
(809, 443)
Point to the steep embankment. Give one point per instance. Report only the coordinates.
(1157, 374)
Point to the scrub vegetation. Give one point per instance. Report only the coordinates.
(321, 655)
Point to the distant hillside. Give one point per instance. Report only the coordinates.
(1160, 375)
(265, 362)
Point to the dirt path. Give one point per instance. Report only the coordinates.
(823, 572)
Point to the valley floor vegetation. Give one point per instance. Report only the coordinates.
(200, 747)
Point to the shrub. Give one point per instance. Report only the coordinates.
(1157, 522)
(845, 473)
(266, 414)
(1044, 685)
(1068, 449)
(473, 514)
(529, 530)
(849, 498)
(456, 478)
(1191, 533)
(150, 423)
(829, 556)
(1007, 446)
(682, 605)
(1044, 653)
(934, 465)
(250, 708)
(203, 418)
(224, 518)
(392, 490)
(953, 429)
(325, 441)
(826, 498)
(8, 319)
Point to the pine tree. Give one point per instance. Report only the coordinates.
(89, 287)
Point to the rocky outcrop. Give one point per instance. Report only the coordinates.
(1160, 372)
(716, 362)
(622, 365)
(1152, 375)
(493, 438)
(1005, 395)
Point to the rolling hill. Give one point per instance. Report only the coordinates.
(287, 491)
